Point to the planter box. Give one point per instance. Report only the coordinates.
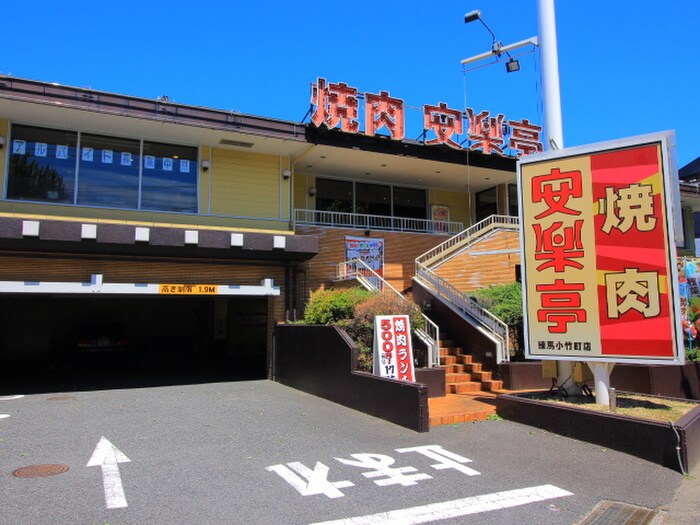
(651, 440)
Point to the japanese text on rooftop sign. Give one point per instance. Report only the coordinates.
(598, 255)
(393, 353)
(338, 105)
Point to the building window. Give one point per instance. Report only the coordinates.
(409, 202)
(513, 200)
(334, 195)
(93, 170)
(486, 204)
(370, 199)
(108, 172)
(42, 165)
(169, 180)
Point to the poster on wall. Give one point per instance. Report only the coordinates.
(441, 216)
(393, 353)
(600, 280)
(369, 250)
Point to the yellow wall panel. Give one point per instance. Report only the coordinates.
(458, 203)
(204, 155)
(245, 183)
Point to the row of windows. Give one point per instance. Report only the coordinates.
(93, 170)
(370, 199)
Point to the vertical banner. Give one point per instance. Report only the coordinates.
(598, 254)
(393, 353)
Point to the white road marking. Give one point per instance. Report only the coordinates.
(456, 508)
(108, 457)
(3, 416)
(10, 398)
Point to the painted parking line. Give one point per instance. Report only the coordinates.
(457, 508)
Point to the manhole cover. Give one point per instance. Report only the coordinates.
(62, 398)
(40, 471)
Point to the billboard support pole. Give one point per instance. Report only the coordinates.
(601, 378)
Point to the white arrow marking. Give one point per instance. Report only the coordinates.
(108, 457)
(456, 508)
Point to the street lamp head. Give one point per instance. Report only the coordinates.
(471, 16)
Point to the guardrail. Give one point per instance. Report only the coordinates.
(357, 269)
(375, 222)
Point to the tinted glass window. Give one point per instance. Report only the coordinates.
(513, 200)
(169, 178)
(42, 164)
(372, 199)
(486, 204)
(109, 172)
(334, 195)
(409, 202)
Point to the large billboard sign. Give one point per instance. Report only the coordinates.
(599, 268)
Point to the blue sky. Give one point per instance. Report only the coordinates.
(626, 68)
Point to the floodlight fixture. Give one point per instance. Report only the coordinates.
(512, 65)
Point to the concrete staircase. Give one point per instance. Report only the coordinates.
(462, 374)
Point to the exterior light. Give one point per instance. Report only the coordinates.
(471, 16)
(512, 65)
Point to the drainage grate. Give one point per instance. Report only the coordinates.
(40, 471)
(614, 513)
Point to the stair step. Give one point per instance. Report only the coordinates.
(466, 359)
(463, 388)
(447, 360)
(492, 385)
(456, 368)
(457, 378)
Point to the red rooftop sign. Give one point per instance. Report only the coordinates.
(337, 105)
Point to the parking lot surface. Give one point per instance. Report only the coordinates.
(256, 452)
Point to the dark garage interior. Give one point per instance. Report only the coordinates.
(85, 342)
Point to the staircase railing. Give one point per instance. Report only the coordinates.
(466, 238)
(367, 277)
(457, 299)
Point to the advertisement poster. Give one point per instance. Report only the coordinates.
(441, 216)
(369, 250)
(393, 353)
(598, 253)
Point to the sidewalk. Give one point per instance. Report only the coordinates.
(684, 509)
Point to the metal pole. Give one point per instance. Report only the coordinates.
(550, 75)
(554, 135)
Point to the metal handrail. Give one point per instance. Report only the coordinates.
(375, 222)
(466, 238)
(459, 300)
(359, 270)
(465, 305)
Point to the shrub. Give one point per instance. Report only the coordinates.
(505, 301)
(361, 326)
(330, 306)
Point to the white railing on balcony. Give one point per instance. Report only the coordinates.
(466, 238)
(375, 222)
(457, 299)
(357, 269)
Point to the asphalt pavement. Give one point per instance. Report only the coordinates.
(256, 452)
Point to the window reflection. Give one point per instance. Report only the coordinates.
(169, 179)
(109, 172)
(42, 164)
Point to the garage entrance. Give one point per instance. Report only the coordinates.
(97, 341)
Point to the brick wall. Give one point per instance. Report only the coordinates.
(400, 252)
(478, 267)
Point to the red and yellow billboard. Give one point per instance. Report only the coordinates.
(599, 272)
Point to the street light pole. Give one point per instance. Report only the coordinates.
(550, 75)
